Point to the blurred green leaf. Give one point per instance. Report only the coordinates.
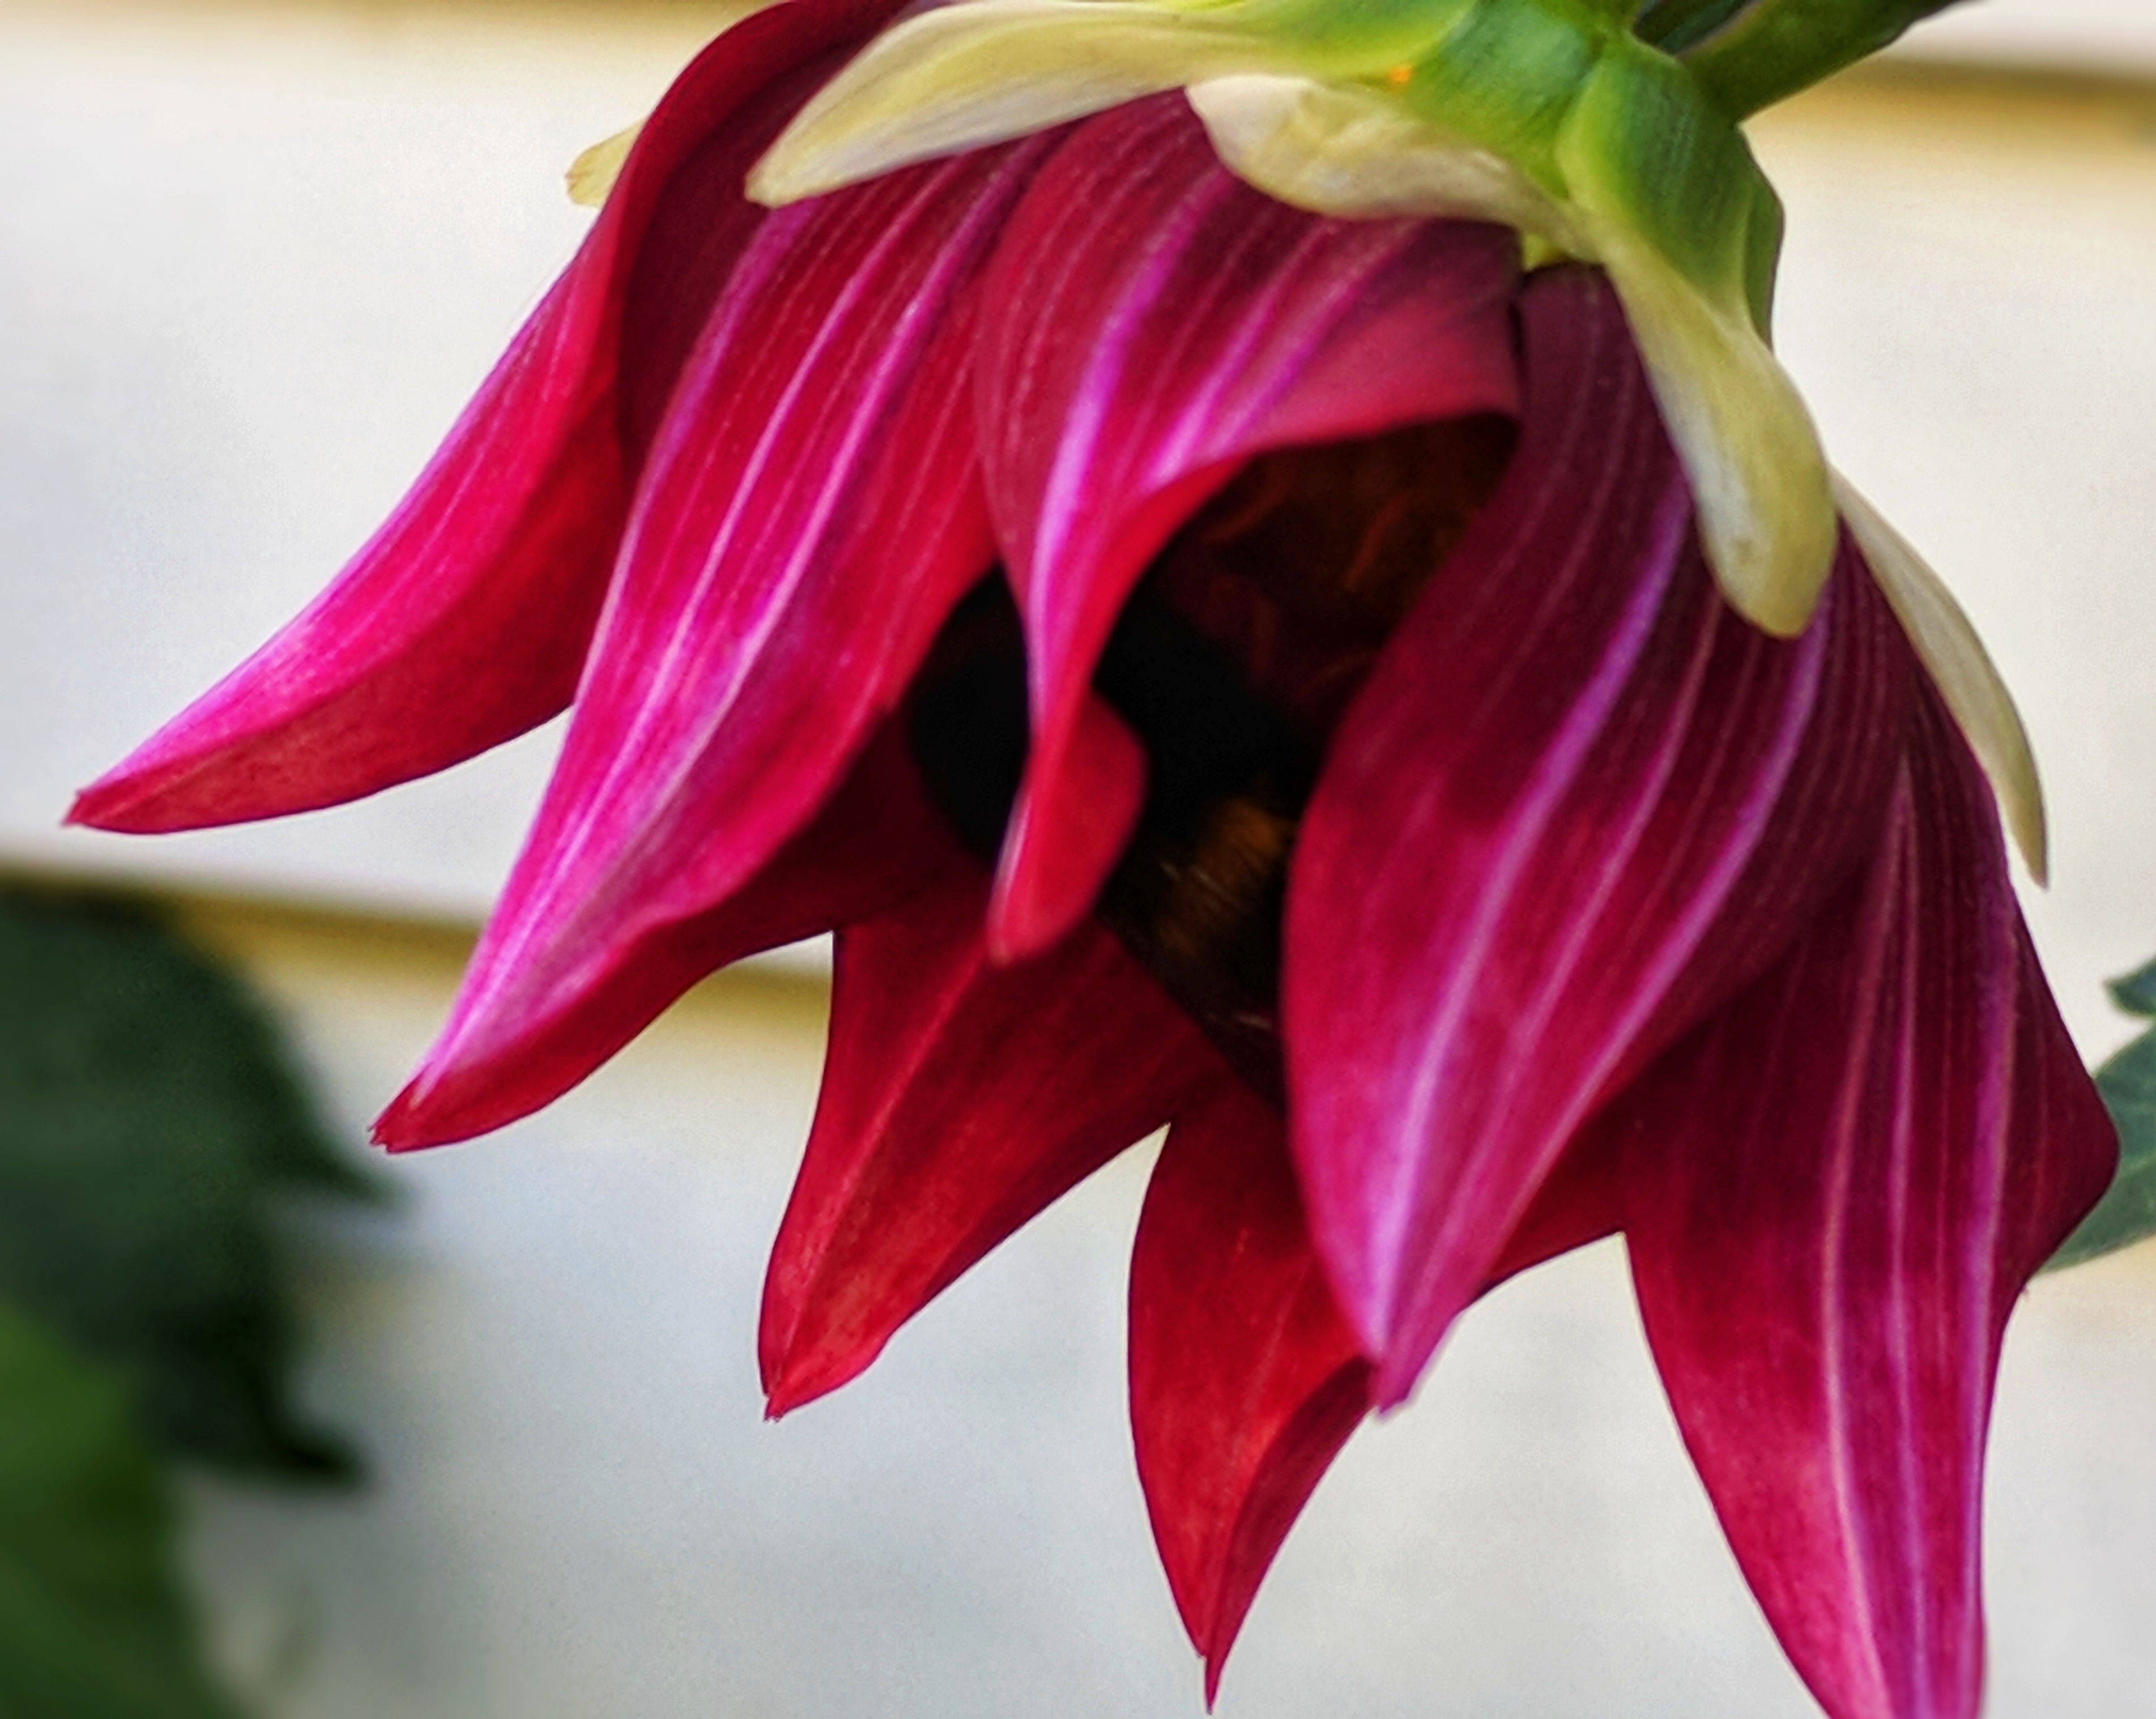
(2136, 994)
(149, 1127)
(2126, 1213)
(93, 1624)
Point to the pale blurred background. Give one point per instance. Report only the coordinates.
(252, 261)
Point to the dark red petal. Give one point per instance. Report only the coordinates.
(960, 1098)
(1149, 324)
(810, 513)
(464, 620)
(1836, 1190)
(875, 845)
(1577, 804)
(1245, 1380)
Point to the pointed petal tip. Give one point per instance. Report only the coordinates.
(1024, 920)
(1397, 1365)
(795, 1380)
(124, 801)
(779, 1402)
(441, 1104)
(408, 1124)
(1080, 801)
(392, 1130)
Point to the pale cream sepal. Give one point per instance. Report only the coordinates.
(592, 175)
(985, 71)
(1341, 150)
(1960, 668)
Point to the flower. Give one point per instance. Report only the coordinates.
(1223, 667)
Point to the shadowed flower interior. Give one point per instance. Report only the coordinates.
(1231, 662)
(1230, 669)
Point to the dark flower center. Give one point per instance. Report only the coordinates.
(1232, 662)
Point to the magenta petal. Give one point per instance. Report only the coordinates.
(1836, 1190)
(464, 620)
(810, 513)
(960, 1098)
(1150, 324)
(877, 843)
(461, 624)
(1577, 803)
(1060, 847)
(1245, 1380)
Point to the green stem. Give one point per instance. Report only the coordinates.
(1750, 57)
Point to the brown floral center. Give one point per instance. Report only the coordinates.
(1232, 662)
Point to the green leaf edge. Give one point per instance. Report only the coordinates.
(95, 1619)
(2127, 1213)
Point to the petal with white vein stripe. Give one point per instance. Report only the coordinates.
(1149, 324)
(1577, 804)
(810, 512)
(1835, 1194)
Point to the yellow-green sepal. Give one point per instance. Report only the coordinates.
(1667, 197)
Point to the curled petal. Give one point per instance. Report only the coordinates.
(810, 513)
(1149, 324)
(465, 619)
(1624, 804)
(960, 1098)
(1245, 1380)
(1960, 668)
(877, 843)
(1836, 1191)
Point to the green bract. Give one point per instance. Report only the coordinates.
(1550, 115)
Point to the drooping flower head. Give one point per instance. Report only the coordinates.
(1414, 730)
